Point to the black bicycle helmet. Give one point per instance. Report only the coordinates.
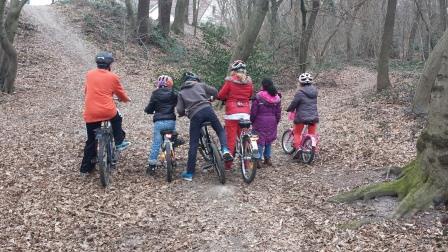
(189, 76)
(104, 58)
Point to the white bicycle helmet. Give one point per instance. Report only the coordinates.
(305, 78)
(237, 65)
(164, 81)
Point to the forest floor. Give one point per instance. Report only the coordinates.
(46, 205)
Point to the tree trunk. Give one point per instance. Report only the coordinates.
(8, 28)
(196, 5)
(247, 40)
(410, 51)
(422, 95)
(275, 4)
(443, 14)
(296, 36)
(143, 21)
(179, 16)
(130, 15)
(164, 16)
(240, 16)
(349, 28)
(425, 180)
(186, 17)
(382, 80)
(307, 33)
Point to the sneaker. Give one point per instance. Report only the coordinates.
(297, 154)
(121, 147)
(187, 176)
(226, 155)
(84, 175)
(151, 170)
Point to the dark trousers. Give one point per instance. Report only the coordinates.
(204, 115)
(90, 149)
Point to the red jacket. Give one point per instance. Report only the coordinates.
(236, 94)
(100, 87)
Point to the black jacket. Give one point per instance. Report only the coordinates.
(162, 104)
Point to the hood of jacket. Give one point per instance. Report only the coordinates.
(237, 80)
(266, 97)
(310, 91)
(188, 84)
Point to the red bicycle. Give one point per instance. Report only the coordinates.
(309, 146)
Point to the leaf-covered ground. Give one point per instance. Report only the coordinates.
(45, 205)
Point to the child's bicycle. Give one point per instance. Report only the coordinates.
(167, 156)
(309, 144)
(247, 151)
(107, 154)
(211, 154)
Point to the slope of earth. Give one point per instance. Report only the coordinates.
(45, 205)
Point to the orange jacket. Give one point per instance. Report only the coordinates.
(99, 89)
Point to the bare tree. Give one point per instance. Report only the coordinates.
(8, 54)
(130, 15)
(179, 17)
(247, 40)
(425, 180)
(143, 21)
(382, 80)
(352, 15)
(307, 32)
(196, 5)
(443, 14)
(275, 5)
(164, 16)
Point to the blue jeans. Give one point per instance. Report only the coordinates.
(265, 150)
(157, 138)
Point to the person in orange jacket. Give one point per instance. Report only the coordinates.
(236, 92)
(100, 87)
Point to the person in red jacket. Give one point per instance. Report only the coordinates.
(236, 92)
(100, 87)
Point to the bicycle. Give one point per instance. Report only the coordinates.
(309, 144)
(167, 156)
(247, 151)
(209, 150)
(107, 154)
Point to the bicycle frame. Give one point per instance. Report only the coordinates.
(314, 137)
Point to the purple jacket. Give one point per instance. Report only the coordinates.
(265, 116)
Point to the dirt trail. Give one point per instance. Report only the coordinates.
(46, 206)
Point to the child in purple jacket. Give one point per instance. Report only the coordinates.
(265, 116)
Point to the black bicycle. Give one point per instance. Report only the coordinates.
(211, 154)
(107, 154)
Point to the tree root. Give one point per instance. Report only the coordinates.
(414, 188)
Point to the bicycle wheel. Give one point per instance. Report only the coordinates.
(218, 163)
(308, 151)
(205, 153)
(288, 142)
(247, 162)
(169, 163)
(103, 160)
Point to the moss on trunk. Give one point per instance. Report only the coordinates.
(414, 188)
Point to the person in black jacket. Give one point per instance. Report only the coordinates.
(162, 103)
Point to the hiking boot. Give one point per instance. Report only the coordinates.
(178, 142)
(151, 170)
(187, 176)
(228, 165)
(121, 147)
(268, 162)
(258, 164)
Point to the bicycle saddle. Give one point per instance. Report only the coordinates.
(206, 123)
(173, 132)
(245, 124)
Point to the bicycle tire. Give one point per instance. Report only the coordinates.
(169, 163)
(218, 163)
(247, 164)
(288, 141)
(308, 151)
(203, 150)
(103, 160)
